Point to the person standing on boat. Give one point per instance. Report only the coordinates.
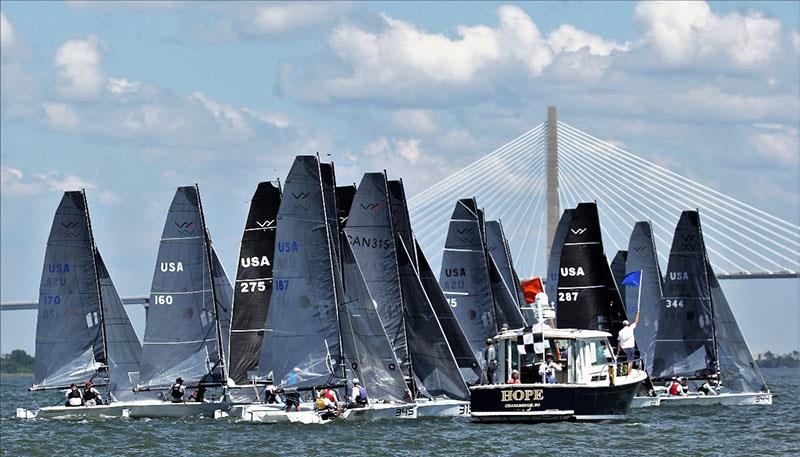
(359, 397)
(548, 369)
(270, 393)
(490, 358)
(91, 396)
(74, 396)
(177, 390)
(514, 379)
(627, 341)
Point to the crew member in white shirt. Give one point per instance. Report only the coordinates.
(626, 340)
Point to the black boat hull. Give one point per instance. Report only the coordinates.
(550, 402)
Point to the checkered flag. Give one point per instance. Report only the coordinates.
(526, 343)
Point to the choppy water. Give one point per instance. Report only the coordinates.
(717, 430)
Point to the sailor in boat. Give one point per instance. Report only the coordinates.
(627, 341)
(548, 368)
(677, 387)
(514, 379)
(270, 393)
(359, 398)
(177, 390)
(91, 396)
(707, 388)
(74, 396)
(326, 404)
(490, 358)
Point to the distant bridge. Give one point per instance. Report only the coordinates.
(527, 181)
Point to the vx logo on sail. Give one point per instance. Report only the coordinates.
(185, 227)
(371, 206)
(73, 228)
(301, 195)
(267, 223)
(579, 231)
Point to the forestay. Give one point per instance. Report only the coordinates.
(301, 340)
(183, 336)
(253, 282)
(465, 277)
(499, 250)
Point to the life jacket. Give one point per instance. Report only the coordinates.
(88, 394)
(320, 404)
(674, 388)
(175, 391)
(361, 398)
(327, 394)
(74, 394)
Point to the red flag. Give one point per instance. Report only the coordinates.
(531, 287)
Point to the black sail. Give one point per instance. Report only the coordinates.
(587, 296)
(554, 261)
(435, 368)
(370, 234)
(459, 345)
(497, 246)
(344, 200)
(465, 276)
(401, 220)
(124, 349)
(253, 282)
(685, 335)
(329, 191)
(69, 337)
(366, 346)
(642, 257)
(618, 270)
(301, 338)
(507, 312)
(738, 371)
(181, 336)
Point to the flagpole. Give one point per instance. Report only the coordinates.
(639, 295)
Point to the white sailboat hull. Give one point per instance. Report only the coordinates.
(269, 414)
(112, 410)
(381, 411)
(443, 408)
(728, 399)
(162, 409)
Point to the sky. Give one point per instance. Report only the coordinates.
(131, 100)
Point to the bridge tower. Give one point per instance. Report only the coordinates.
(553, 209)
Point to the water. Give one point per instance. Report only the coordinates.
(716, 430)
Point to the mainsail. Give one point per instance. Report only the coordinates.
(253, 282)
(647, 297)
(370, 234)
(301, 340)
(499, 250)
(465, 277)
(401, 222)
(189, 303)
(618, 271)
(685, 336)
(459, 345)
(366, 346)
(82, 330)
(344, 200)
(435, 368)
(554, 261)
(587, 296)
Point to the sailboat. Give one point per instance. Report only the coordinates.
(252, 291)
(377, 225)
(323, 328)
(188, 321)
(698, 338)
(499, 250)
(82, 332)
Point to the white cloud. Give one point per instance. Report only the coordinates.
(77, 64)
(569, 39)
(795, 37)
(418, 121)
(61, 116)
(6, 32)
(687, 32)
(778, 143)
(282, 18)
(122, 86)
(12, 182)
(15, 182)
(410, 149)
(379, 146)
(275, 119)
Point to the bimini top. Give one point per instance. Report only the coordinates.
(563, 333)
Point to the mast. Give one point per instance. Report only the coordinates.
(706, 266)
(328, 237)
(397, 271)
(486, 260)
(96, 281)
(207, 243)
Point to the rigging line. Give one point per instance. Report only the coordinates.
(599, 177)
(423, 223)
(533, 194)
(527, 234)
(532, 171)
(537, 244)
(482, 161)
(667, 174)
(714, 209)
(476, 167)
(573, 168)
(423, 213)
(708, 247)
(713, 228)
(532, 205)
(440, 234)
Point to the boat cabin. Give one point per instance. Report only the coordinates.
(585, 356)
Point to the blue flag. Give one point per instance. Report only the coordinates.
(632, 279)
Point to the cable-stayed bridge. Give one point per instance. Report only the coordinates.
(527, 181)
